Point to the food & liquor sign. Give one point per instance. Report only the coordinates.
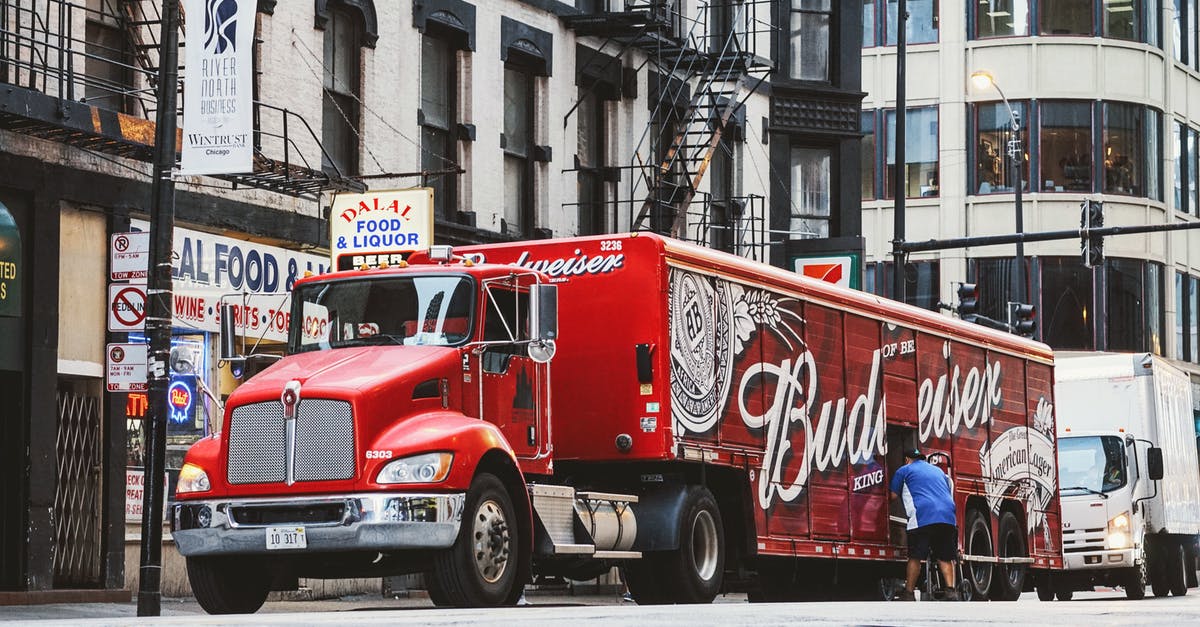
(380, 228)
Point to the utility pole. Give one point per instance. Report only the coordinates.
(899, 180)
(158, 313)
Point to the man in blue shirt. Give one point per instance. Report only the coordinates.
(932, 525)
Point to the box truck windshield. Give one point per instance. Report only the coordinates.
(1091, 464)
(408, 310)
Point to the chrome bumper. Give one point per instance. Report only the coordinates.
(348, 522)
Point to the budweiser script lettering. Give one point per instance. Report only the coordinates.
(943, 408)
(578, 265)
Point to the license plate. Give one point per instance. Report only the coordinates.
(286, 538)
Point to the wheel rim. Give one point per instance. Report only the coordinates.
(704, 545)
(980, 543)
(490, 541)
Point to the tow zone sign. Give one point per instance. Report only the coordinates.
(126, 308)
(125, 367)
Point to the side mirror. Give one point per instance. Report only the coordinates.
(543, 312)
(228, 333)
(1154, 463)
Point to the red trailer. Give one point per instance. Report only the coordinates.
(704, 421)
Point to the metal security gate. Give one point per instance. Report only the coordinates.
(77, 497)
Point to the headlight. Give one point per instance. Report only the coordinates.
(192, 478)
(426, 468)
(1118, 532)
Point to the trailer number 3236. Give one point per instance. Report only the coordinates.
(379, 454)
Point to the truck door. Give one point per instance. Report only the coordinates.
(513, 388)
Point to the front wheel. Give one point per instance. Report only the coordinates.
(228, 585)
(1135, 581)
(480, 570)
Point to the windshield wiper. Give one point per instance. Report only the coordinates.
(1079, 487)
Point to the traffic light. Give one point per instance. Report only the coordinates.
(1023, 319)
(1091, 216)
(968, 302)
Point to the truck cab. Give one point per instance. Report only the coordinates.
(395, 436)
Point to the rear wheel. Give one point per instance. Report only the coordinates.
(978, 541)
(481, 568)
(1010, 578)
(1157, 568)
(228, 585)
(693, 572)
(1064, 595)
(1176, 565)
(1045, 593)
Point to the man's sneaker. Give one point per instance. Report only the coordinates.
(950, 594)
(628, 598)
(906, 595)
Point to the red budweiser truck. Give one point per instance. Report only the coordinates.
(563, 406)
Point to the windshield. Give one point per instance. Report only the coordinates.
(1094, 463)
(408, 311)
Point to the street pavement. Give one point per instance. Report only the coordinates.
(1094, 609)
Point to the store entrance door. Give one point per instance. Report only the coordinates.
(12, 489)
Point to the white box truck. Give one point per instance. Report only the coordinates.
(1129, 480)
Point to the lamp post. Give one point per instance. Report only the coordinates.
(982, 80)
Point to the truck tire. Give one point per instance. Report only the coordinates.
(1176, 565)
(694, 572)
(978, 541)
(480, 570)
(1009, 579)
(228, 585)
(1135, 581)
(1156, 566)
(1045, 593)
(644, 583)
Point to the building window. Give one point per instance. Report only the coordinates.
(868, 155)
(725, 188)
(1183, 351)
(340, 105)
(590, 152)
(1124, 142)
(920, 176)
(1184, 150)
(1066, 310)
(108, 72)
(1001, 18)
(1135, 305)
(810, 193)
(922, 282)
(994, 170)
(1193, 318)
(518, 151)
(439, 122)
(994, 277)
(868, 15)
(1122, 19)
(1066, 146)
(1066, 17)
(922, 22)
(810, 22)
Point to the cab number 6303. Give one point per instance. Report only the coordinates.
(379, 454)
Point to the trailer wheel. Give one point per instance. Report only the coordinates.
(1010, 578)
(228, 585)
(1064, 595)
(1135, 580)
(481, 568)
(694, 572)
(1045, 592)
(1176, 565)
(978, 541)
(1157, 568)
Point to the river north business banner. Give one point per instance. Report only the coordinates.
(218, 87)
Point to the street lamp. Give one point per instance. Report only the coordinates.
(981, 80)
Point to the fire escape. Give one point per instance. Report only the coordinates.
(84, 74)
(705, 64)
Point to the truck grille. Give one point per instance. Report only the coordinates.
(1080, 540)
(258, 442)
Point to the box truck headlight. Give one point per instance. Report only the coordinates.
(192, 478)
(1118, 532)
(425, 468)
